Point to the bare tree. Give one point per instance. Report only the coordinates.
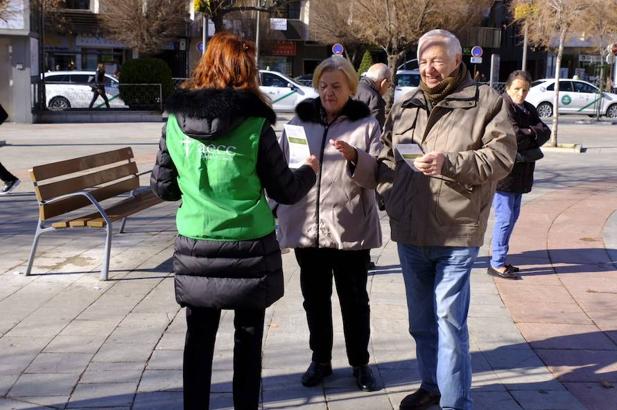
(550, 23)
(216, 10)
(601, 25)
(393, 26)
(4, 9)
(144, 25)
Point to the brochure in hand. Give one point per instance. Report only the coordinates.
(298, 145)
(409, 152)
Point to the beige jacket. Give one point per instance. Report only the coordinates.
(339, 212)
(472, 128)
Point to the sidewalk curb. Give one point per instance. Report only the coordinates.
(572, 148)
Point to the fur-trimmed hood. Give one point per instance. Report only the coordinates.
(310, 110)
(210, 113)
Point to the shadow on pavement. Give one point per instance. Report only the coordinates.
(590, 375)
(562, 261)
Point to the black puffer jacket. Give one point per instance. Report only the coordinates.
(531, 133)
(228, 274)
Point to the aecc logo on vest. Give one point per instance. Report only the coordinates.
(211, 151)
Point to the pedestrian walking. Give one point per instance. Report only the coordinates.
(445, 148)
(98, 86)
(218, 154)
(333, 229)
(531, 134)
(10, 181)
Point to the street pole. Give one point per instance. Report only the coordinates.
(524, 65)
(204, 31)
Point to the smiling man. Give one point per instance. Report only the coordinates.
(439, 205)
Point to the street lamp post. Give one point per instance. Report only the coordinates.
(524, 64)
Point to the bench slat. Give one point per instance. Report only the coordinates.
(67, 186)
(117, 211)
(69, 166)
(67, 205)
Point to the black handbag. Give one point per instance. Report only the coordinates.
(3, 114)
(531, 155)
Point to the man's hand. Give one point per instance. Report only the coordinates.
(348, 152)
(430, 164)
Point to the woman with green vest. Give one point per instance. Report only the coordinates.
(220, 156)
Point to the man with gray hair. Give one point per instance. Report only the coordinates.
(371, 89)
(439, 203)
(445, 148)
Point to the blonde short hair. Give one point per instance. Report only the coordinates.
(337, 62)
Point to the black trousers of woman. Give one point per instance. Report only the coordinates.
(349, 268)
(95, 95)
(5, 175)
(202, 325)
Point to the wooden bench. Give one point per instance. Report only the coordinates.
(66, 186)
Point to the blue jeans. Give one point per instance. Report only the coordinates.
(437, 286)
(507, 207)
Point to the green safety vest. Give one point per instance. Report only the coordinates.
(222, 196)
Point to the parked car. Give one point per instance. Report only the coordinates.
(405, 81)
(72, 89)
(305, 79)
(575, 97)
(284, 92)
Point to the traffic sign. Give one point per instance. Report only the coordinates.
(338, 49)
(477, 51)
(476, 60)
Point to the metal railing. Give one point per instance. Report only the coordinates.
(63, 96)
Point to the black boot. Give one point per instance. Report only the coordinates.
(364, 378)
(315, 373)
(419, 400)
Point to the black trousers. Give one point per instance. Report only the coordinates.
(202, 325)
(349, 268)
(5, 175)
(95, 94)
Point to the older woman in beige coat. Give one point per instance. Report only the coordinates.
(334, 227)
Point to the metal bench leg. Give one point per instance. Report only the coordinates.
(123, 223)
(39, 230)
(105, 268)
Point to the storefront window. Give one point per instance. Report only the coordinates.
(274, 63)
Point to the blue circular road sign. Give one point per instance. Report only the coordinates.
(338, 49)
(476, 51)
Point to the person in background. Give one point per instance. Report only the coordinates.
(531, 134)
(10, 181)
(371, 89)
(335, 226)
(98, 88)
(219, 155)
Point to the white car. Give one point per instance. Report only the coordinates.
(71, 89)
(405, 81)
(575, 97)
(284, 92)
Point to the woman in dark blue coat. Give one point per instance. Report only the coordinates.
(531, 134)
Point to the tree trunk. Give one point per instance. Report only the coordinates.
(394, 60)
(562, 38)
(218, 23)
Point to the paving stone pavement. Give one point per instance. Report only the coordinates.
(68, 340)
